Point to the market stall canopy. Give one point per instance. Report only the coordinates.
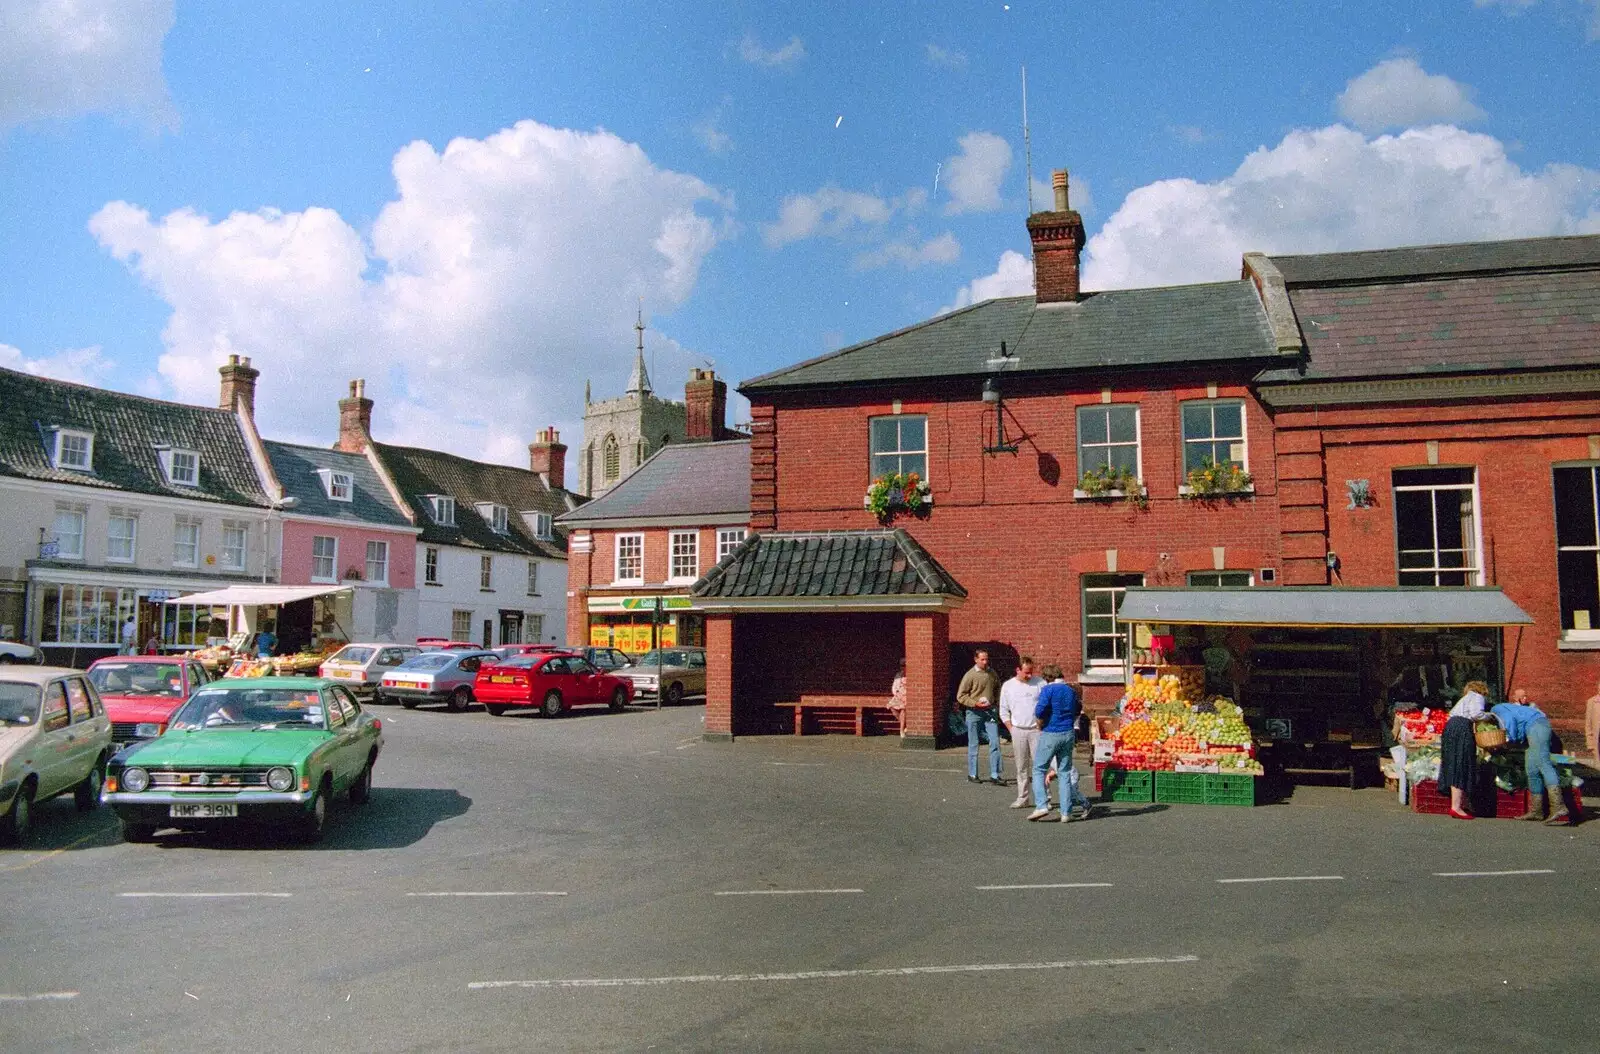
(1397, 607)
(249, 596)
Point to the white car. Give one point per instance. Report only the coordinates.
(11, 651)
(360, 667)
(54, 737)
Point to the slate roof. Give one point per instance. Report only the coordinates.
(1528, 304)
(1117, 329)
(417, 472)
(841, 564)
(296, 468)
(681, 481)
(127, 431)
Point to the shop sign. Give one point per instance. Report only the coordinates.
(641, 604)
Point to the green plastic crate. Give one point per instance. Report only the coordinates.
(1126, 785)
(1229, 788)
(1181, 788)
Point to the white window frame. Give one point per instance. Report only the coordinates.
(1475, 570)
(378, 562)
(1118, 634)
(634, 542)
(460, 625)
(1138, 435)
(181, 554)
(444, 509)
(728, 539)
(533, 578)
(1573, 633)
(430, 565)
(58, 456)
(169, 466)
(235, 557)
(1184, 440)
(486, 574)
(332, 559)
(1250, 579)
(532, 627)
(81, 516)
(683, 556)
(131, 555)
(900, 451)
(543, 526)
(340, 486)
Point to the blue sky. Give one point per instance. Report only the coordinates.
(466, 204)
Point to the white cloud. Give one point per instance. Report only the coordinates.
(61, 58)
(831, 211)
(1191, 134)
(946, 58)
(509, 265)
(942, 249)
(1333, 189)
(973, 176)
(1013, 276)
(784, 58)
(708, 130)
(1518, 6)
(1398, 93)
(83, 365)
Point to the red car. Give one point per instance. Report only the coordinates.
(142, 691)
(441, 644)
(509, 650)
(555, 683)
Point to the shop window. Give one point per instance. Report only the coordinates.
(84, 614)
(1108, 439)
(1436, 526)
(1578, 549)
(461, 625)
(1213, 431)
(486, 573)
(1104, 638)
(630, 558)
(533, 579)
(728, 539)
(613, 458)
(122, 537)
(685, 555)
(378, 562)
(192, 626)
(186, 542)
(1221, 579)
(324, 559)
(430, 566)
(74, 450)
(182, 467)
(443, 509)
(68, 532)
(899, 444)
(235, 546)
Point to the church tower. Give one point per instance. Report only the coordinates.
(620, 434)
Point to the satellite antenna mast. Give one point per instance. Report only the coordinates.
(1027, 144)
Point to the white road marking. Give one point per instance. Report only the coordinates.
(1285, 878)
(778, 892)
(205, 896)
(905, 768)
(496, 893)
(1051, 885)
(1491, 874)
(38, 997)
(819, 975)
(801, 764)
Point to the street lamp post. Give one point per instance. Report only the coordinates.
(655, 633)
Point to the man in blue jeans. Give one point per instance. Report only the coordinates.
(978, 697)
(1057, 712)
(1526, 723)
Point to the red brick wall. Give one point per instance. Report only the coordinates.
(596, 569)
(719, 675)
(778, 658)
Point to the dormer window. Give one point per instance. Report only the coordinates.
(74, 450)
(540, 524)
(498, 517)
(339, 485)
(182, 467)
(443, 508)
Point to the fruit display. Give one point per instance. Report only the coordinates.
(1161, 731)
(245, 666)
(1422, 726)
(214, 658)
(303, 664)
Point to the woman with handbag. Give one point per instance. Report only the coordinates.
(1458, 748)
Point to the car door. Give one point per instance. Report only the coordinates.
(585, 682)
(466, 672)
(555, 674)
(386, 660)
(694, 681)
(53, 757)
(341, 706)
(90, 732)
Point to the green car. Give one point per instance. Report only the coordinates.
(267, 750)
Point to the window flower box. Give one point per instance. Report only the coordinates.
(1109, 484)
(1217, 479)
(898, 492)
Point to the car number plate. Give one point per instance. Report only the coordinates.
(204, 810)
(500, 680)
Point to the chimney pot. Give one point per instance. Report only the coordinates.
(547, 456)
(1057, 246)
(355, 420)
(238, 386)
(706, 406)
(1058, 180)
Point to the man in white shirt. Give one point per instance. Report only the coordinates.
(1018, 696)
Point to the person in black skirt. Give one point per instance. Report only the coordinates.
(1458, 748)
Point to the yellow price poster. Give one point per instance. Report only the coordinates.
(600, 636)
(669, 636)
(631, 640)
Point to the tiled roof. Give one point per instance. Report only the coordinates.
(841, 564)
(1430, 261)
(1116, 329)
(680, 481)
(128, 430)
(417, 472)
(296, 468)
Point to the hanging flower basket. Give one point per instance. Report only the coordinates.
(898, 492)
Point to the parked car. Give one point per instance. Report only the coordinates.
(681, 670)
(267, 750)
(508, 650)
(443, 644)
(11, 651)
(141, 692)
(555, 683)
(607, 659)
(437, 677)
(360, 667)
(54, 737)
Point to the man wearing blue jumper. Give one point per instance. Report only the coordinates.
(1524, 722)
(1057, 713)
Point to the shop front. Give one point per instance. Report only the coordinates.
(307, 620)
(635, 624)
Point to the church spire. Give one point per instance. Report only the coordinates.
(639, 382)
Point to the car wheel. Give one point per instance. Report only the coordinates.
(378, 698)
(674, 694)
(6, 660)
(361, 789)
(552, 705)
(315, 821)
(409, 704)
(138, 833)
(86, 795)
(460, 699)
(619, 699)
(495, 709)
(19, 821)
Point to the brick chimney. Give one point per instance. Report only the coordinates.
(1057, 242)
(239, 385)
(706, 401)
(547, 455)
(355, 420)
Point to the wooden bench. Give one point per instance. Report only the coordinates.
(842, 714)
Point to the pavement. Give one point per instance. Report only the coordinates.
(612, 882)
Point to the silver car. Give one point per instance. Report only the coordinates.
(671, 673)
(11, 651)
(436, 677)
(54, 737)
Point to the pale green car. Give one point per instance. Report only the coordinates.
(54, 737)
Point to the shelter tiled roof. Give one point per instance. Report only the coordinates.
(839, 564)
(709, 482)
(129, 432)
(297, 469)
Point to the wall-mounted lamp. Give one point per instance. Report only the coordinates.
(991, 394)
(1332, 560)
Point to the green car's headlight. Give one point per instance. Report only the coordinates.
(280, 779)
(135, 780)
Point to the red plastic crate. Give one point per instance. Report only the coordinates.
(1508, 805)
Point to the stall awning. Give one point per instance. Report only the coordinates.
(250, 596)
(1398, 607)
